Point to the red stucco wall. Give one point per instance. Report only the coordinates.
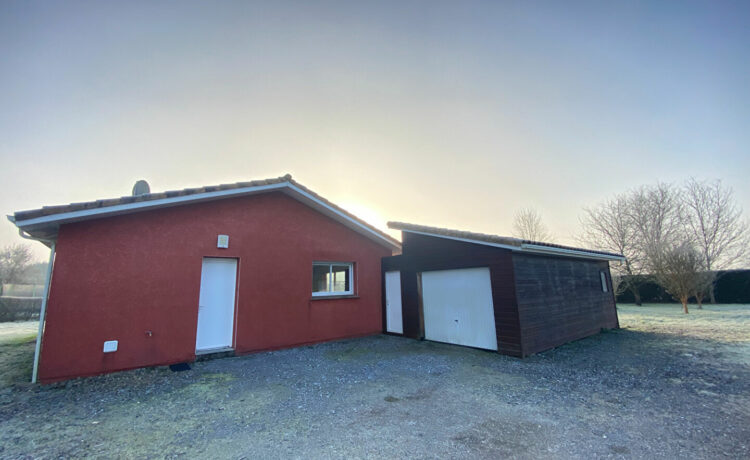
(116, 278)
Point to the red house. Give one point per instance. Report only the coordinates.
(158, 278)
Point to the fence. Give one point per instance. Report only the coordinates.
(20, 302)
(22, 290)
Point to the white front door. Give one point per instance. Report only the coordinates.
(458, 307)
(393, 319)
(216, 304)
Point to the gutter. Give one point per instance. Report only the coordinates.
(45, 296)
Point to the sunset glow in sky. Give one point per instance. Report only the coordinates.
(453, 114)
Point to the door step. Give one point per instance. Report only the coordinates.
(214, 353)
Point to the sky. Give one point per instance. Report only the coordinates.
(454, 114)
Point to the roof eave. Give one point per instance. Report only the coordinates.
(53, 221)
(339, 214)
(85, 214)
(465, 240)
(527, 247)
(565, 252)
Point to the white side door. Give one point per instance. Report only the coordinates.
(216, 304)
(393, 314)
(458, 308)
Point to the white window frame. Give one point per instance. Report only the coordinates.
(603, 277)
(330, 265)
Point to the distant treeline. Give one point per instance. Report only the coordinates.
(732, 286)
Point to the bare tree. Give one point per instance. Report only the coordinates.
(14, 260)
(654, 224)
(527, 225)
(678, 270)
(656, 212)
(703, 286)
(715, 224)
(609, 227)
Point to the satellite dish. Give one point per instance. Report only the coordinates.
(141, 188)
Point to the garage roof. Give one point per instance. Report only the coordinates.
(506, 242)
(43, 223)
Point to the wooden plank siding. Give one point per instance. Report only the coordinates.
(423, 253)
(561, 300)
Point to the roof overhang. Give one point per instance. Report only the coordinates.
(464, 240)
(529, 248)
(565, 252)
(46, 227)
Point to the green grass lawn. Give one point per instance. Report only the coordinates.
(16, 358)
(721, 327)
(725, 323)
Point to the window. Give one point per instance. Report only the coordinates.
(332, 278)
(604, 281)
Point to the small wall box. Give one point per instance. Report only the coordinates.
(110, 346)
(222, 242)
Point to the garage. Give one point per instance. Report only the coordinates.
(516, 297)
(458, 307)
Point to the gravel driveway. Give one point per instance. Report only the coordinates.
(651, 389)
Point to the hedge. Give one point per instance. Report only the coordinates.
(19, 308)
(732, 286)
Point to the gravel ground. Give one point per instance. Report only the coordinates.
(664, 386)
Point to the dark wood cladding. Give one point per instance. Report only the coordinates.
(561, 300)
(507, 321)
(540, 301)
(409, 294)
(423, 253)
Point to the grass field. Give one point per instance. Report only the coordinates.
(717, 324)
(16, 352)
(15, 362)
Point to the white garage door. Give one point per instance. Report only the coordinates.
(458, 307)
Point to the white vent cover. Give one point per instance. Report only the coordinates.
(223, 242)
(110, 346)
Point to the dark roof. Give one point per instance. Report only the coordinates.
(20, 217)
(494, 239)
(103, 203)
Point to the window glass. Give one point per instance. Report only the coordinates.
(604, 281)
(332, 278)
(340, 278)
(321, 278)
